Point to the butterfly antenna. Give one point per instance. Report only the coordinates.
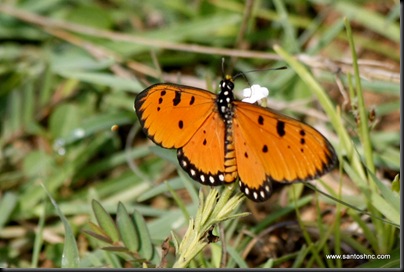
(223, 73)
(259, 70)
(243, 75)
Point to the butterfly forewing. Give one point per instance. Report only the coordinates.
(170, 114)
(273, 147)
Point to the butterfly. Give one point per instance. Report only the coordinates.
(220, 139)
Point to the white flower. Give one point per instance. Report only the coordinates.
(255, 93)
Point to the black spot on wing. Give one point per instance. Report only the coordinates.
(192, 101)
(260, 120)
(177, 98)
(302, 133)
(280, 128)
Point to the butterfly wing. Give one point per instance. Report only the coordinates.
(273, 147)
(203, 156)
(170, 114)
(176, 116)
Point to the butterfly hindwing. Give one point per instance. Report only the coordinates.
(203, 156)
(273, 147)
(170, 114)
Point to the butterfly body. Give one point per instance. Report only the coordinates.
(219, 139)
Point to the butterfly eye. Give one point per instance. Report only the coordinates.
(226, 85)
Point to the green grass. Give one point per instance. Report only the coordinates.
(76, 193)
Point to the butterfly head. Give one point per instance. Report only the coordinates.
(226, 98)
(227, 84)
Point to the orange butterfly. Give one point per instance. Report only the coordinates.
(219, 139)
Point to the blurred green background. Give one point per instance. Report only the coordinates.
(69, 74)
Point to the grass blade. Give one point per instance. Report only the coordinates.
(70, 257)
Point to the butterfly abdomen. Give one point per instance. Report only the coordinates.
(224, 104)
(230, 163)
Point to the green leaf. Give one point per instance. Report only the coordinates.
(98, 233)
(99, 237)
(7, 205)
(91, 15)
(301, 256)
(241, 263)
(176, 240)
(103, 79)
(105, 221)
(64, 119)
(395, 186)
(126, 229)
(174, 183)
(38, 163)
(371, 20)
(146, 246)
(70, 257)
(390, 196)
(385, 208)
